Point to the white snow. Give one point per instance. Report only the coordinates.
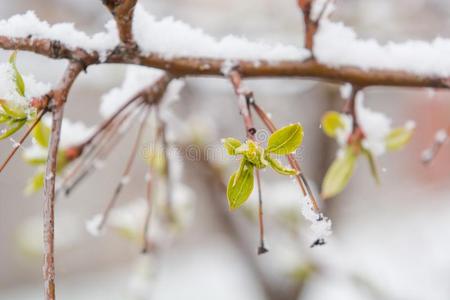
(136, 79)
(343, 133)
(376, 126)
(22, 26)
(335, 44)
(346, 91)
(441, 136)
(180, 39)
(327, 6)
(72, 133)
(338, 45)
(285, 201)
(93, 225)
(167, 36)
(8, 90)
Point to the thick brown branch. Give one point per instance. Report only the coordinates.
(122, 10)
(200, 66)
(59, 98)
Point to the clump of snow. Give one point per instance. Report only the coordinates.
(136, 79)
(93, 225)
(227, 66)
(338, 45)
(320, 225)
(346, 90)
(8, 89)
(343, 133)
(441, 136)
(28, 25)
(376, 127)
(180, 39)
(282, 202)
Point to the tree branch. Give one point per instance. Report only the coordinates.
(58, 100)
(202, 66)
(122, 10)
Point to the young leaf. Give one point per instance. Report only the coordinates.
(398, 138)
(331, 121)
(20, 85)
(278, 167)
(35, 183)
(41, 134)
(285, 140)
(231, 144)
(10, 131)
(12, 112)
(338, 174)
(255, 155)
(373, 166)
(239, 190)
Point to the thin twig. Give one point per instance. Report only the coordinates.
(104, 145)
(245, 98)
(301, 180)
(126, 171)
(22, 139)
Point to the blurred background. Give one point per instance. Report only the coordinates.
(390, 241)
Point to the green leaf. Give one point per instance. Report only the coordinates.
(35, 183)
(41, 134)
(11, 111)
(231, 144)
(332, 121)
(4, 118)
(338, 174)
(398, 138)
(20, 84)
(279, 168)
(240, 189)
(10, 131)
(373, 166)
(285, 140)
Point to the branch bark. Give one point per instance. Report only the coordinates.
(202, 66)
(57, 103)
(123, 10)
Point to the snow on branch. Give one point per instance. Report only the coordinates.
(183, 50)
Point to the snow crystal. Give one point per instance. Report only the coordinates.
(93, 225)
(337, 45)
